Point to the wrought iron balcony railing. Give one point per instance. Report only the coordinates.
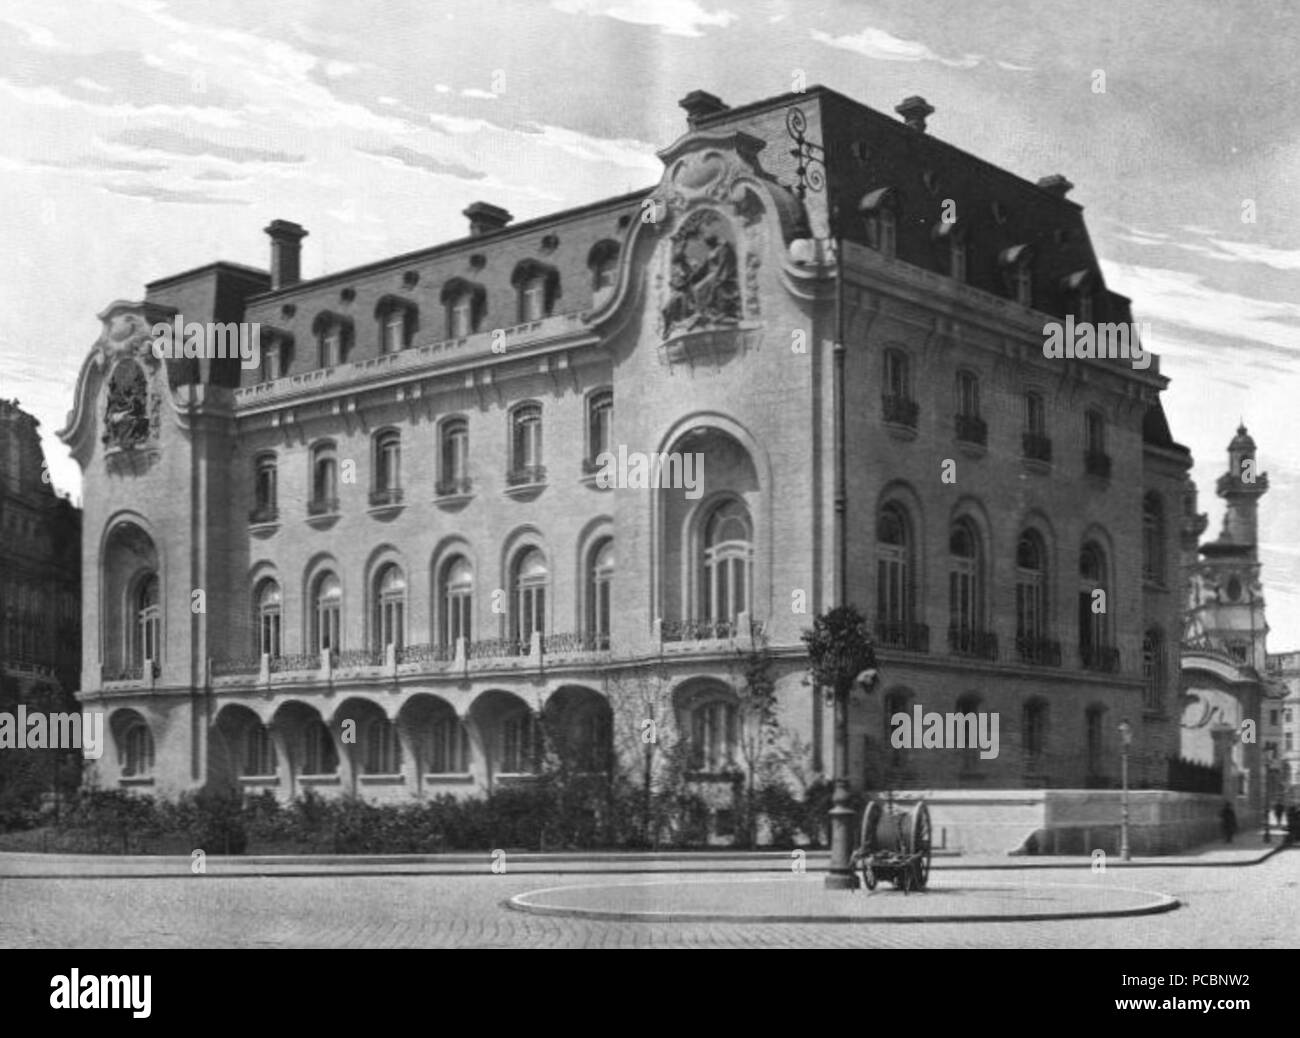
(1036, 446)
(1096, 463)
(453, 487)
(1101, 658)
(967, 641)
(263, 514)
(971, 429)
(1041, 651)
(697, 630)
(426, 653)
(524, 475)
(236, 665)
(577, 642)
(295, 661)
(323, 506)
(389, 496)
(899, 410)
(496, 648)
(892, 634)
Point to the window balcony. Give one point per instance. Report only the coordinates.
(1096, 463)
(967, 641)
(899, 410)
(902, 635)
(1041, 652)
(263, 514)
(1036, 447)
(697, 630)
(497, 648)
(302, 661)
(566, 644)
(456, 486)
(323, 506)
(387, 498)
(1102, 658)
(426, 654)
(971, 429)
(526, 475)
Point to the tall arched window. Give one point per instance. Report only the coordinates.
(447, 749)
(454, 457)
(268, 618)
(319, 755)
(518, 746)
(893, 576)
(600, 580)
(714, 735)
(457, 600)
(383, 753)
(530, 578)
(324, 479)
(1094, 604)
(1031, 598)
(600, 425)
(327, 608)
(1153, 669)
(137, 754)
(258, 758)
(965, 590)
(388, 466)
(1153, 539)
(727, 565)
(264, 488)
(526, 444)
(148, 621)
(390, 608)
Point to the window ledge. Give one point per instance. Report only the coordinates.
(259, 780)
(450, 778)
(136, 780)
(324, 520)
(589, 479)
(319, 780)
(392, 508)
(900, 431)
(381, 780)
(453, 500)
(526, 489)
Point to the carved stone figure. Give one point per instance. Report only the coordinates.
(126, 415)
(703, 283)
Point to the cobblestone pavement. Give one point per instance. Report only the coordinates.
(1250, 907)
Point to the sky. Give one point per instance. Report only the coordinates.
(143, 137)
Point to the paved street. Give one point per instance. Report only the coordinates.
(1237, 907)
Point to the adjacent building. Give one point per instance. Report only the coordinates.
(376, 562)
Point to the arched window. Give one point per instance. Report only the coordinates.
(1096, 462)
(529, 580)
(1034, 722)
(258, 758)
(324, 480)
(1153, 539)
(537, 285)
(600, 580)
(383, 753)
(969, 425)
(1153, 669)
(397, 319)
(268, 618)
(600, 425)
(727, 565)
(896, 396)
(148, 621)
(388, 466)
(965, 591)
(390, 608)
(1031, 599)
(518, 745)
(447, 748)
(454, 458)
(603, 261)
(264, 488)
(526, 445)
(1035, 443)
(457, 600)
(713, 735)
(137, 754)
(319, 754)
(893, 576)
(327, 607)
(334, 337)
(1094, 604)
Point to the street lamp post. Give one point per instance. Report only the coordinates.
(840, 875)
(1125, 739)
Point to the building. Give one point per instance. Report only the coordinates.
(1283, 669)
(395, 529)
(1230, 717)
(40, 563)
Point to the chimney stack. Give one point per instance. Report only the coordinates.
(286, 251)
(915, 111)
(485, 218)
(700, 104)
(1056, 185)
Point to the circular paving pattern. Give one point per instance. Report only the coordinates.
(804, 899)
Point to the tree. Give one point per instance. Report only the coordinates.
(758, 727)
(646, 742)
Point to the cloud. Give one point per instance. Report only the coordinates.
(176, 143)
(883, 46)
(482, 95)
(674, 17)
(419, 160)
(94, 163)
(170, 196)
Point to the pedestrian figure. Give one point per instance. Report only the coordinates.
(1278, 812)
(1228, 819)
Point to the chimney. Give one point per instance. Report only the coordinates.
(286, 250)
(700, 104)
(485, 218)
(915, 111)
(1056, 185)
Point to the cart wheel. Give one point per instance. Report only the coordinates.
(870, 823)
(868, 875)
(921, 842)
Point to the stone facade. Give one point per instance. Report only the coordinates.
(381, 560)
